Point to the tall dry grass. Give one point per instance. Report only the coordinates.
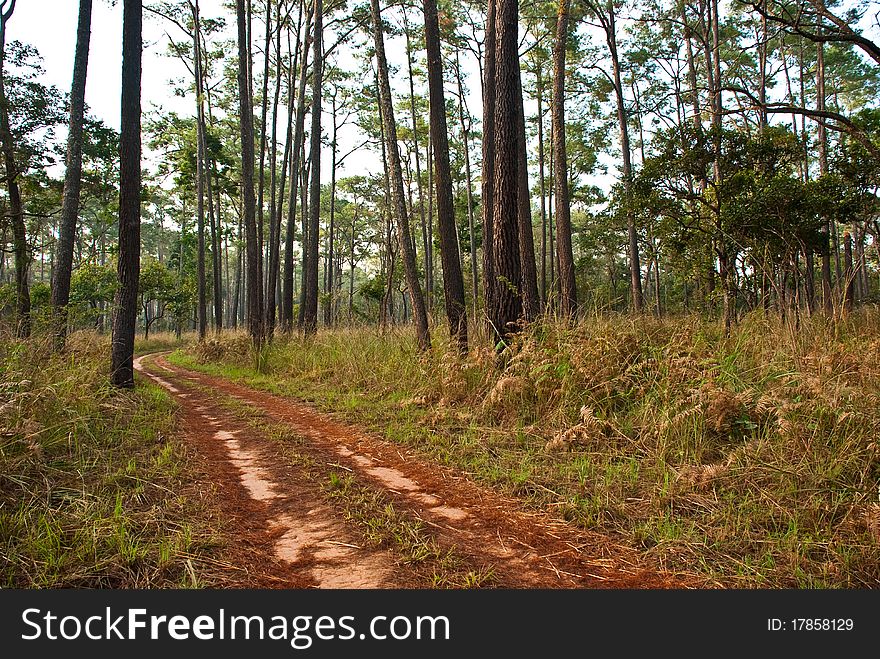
(91, 478)
(751, 458)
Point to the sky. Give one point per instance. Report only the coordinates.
(55, 39)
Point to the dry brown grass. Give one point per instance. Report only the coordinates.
(751, 458)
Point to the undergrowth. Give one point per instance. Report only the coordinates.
(94, 490)
(752, 458)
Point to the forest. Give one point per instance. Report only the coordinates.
(611, 267)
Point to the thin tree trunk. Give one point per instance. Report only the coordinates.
(453, 282)
(274, 215)
(263, 128)
(296, 151)
(16, 211)
(426, 230)
(310, 299)
(200, 181)
(466, 140)
(565, 255)
(398, 198)
(827, 289)
(128, 268)
(636, 294)
(61, 272)
(540, 95)
(531, 299)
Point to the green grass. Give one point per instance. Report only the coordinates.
(93, 486)
(751, 459)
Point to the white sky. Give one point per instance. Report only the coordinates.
(50, 26)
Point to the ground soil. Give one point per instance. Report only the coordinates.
(285, 532)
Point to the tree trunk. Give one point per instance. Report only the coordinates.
(263, 127)
(466, 140)
(398, 199)
(488, 167)
(272, 263)
(201, 156)
(16, 212)
(565, 255)
(128, 268)
(848, 273)
(254, 258)
(289, 269)
(636, 293)
(63, 267)
(543, 278)
(310, 299)
(529, 273)
(827, 289)
(505, 309)
(426, 228)
(453, 282)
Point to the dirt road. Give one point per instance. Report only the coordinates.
(277, 464)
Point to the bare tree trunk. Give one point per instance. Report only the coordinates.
(637, 296)
(453, 282)
(528, 270)
(540, 95)
(254, 257)
(466, 140)
(848, 273)
(16, 212)
(274, 199)
(201, 156)
(488, 167)
(565, 255)
(310, 299)
(299, 130)
(128, 268)
(827, 289)
(506, 307)
(263, 127)
(398, 199)
(73, 175)
(426, 228)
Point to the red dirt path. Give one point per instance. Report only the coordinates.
(307, 543)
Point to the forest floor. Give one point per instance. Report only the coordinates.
(319, 503)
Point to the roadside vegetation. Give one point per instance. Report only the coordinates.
(95, 488)
(752, 459)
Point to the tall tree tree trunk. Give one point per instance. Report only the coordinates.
(61, 272)
(540, 95)
(254, 258)
(506, 307)
(427, 238)
(848, 273)
(827, 288)
(16, 211)
(274, 215)
(453, 282)
(636, 294)
(398, 199)
(529, 271)
(261, 183)
(295, 163)
(201, 156)
(565, 255)
(310, 300)
(466, 140)
(128, 268)
(488, 167)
